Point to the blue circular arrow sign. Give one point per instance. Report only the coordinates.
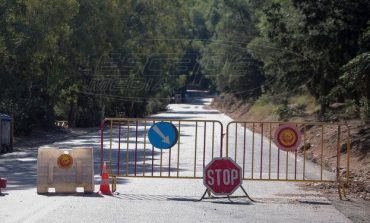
(163, 135)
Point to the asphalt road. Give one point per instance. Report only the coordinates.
(141, 199)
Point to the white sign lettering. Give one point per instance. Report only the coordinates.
(229, 177)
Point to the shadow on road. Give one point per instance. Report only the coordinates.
(315, 202)
(151, 197)
(72, 195)
(213, 200)
(233, 202)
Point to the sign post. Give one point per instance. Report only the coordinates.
(222, 176)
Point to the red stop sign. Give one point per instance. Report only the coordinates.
(222, 176)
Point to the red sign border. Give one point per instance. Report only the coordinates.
(222, 158)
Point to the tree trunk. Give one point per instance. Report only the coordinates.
(72, 114)
(102, 106)
(323, 93)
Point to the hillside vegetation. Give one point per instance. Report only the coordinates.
(82, 60)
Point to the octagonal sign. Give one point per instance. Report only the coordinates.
(222, 176)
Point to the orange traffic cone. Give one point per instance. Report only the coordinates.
(104, 184)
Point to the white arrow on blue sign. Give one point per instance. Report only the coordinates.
(163, 135)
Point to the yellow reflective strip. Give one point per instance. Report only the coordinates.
(338, 153)
(160, 165)
(127, 146)
(304, 151)
(322, 151)
(178, 149)
(110, 147)
(348, 153)
(213, 138)
(195, 148)
(270, 152)
(199, 177)
(236, 140)
(244, 148)
(253, 150)
(227, 139)
(144, 168)
(286, 166)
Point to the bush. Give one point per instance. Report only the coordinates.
(364, 110)
(264, 99)
(28, 114)
(154, 106)
(283, 112)
(351, 109)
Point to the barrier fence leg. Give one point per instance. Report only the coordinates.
(114, 184)
(246, 194)
(342, 190)
(339, 193)
(228, 196)
(204, 194)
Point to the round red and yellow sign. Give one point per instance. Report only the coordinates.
(287, 137)
(65, 161)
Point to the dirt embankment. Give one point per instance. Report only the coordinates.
(359, 174)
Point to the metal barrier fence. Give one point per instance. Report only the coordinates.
(126, 148)
(260, 158)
